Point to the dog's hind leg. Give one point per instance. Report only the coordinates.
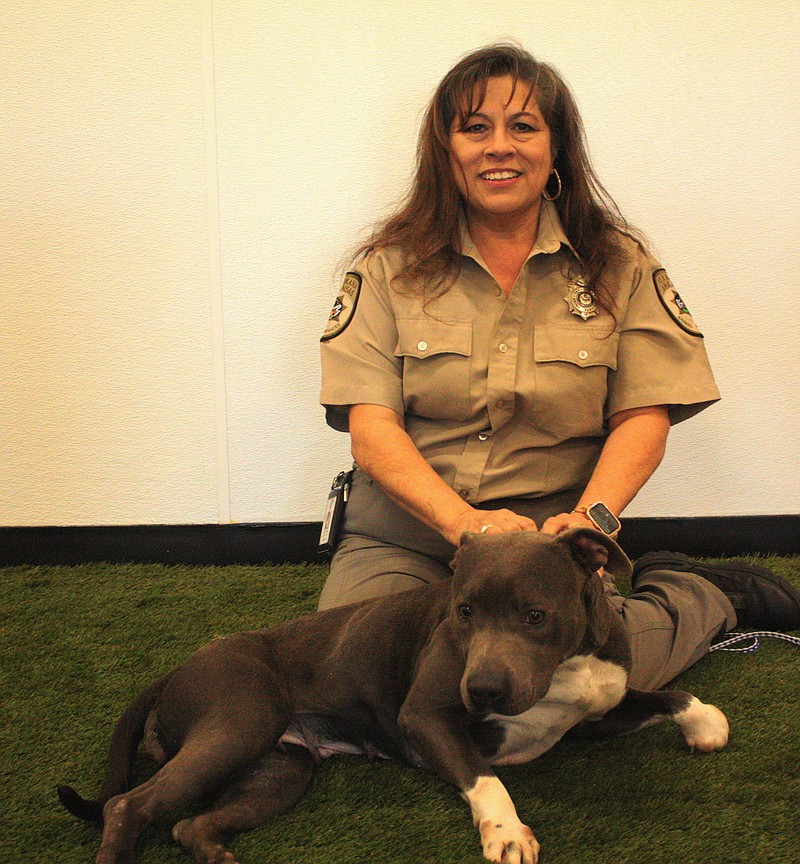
(271, 787)
(704, 727)
(206, 761)
(222, 717)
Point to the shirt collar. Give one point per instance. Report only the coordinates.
(549, 239)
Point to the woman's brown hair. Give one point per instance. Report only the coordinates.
(427, 227)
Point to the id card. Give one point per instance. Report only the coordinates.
(334, 512)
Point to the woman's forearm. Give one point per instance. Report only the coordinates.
(384, 451)
(633, 450)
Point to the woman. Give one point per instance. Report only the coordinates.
(507, 355)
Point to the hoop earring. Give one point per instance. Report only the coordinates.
(558, 193)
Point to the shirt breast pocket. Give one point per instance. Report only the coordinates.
(437, 359)
(570, 380)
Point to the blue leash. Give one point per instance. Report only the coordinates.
(755, 636)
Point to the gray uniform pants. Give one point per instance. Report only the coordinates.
(671, 618)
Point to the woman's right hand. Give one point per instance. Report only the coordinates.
(477, 521)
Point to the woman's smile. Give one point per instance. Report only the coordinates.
(498, 177)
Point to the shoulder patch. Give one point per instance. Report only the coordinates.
(344, 306)
(672, 302)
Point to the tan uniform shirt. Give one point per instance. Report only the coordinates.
(510, 397)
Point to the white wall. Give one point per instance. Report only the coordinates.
(181, 179)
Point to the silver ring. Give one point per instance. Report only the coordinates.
(486, 527)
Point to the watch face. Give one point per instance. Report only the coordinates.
(604, 518)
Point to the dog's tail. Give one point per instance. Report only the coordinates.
(92, 811)
(121, 752)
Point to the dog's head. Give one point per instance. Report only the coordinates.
(521, 604)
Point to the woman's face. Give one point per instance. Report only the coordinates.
(500, 157)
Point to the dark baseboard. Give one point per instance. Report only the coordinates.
(296, 542)
(291, 542)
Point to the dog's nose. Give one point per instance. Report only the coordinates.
(486, 691)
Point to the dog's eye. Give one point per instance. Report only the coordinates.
(535, 616)
(464, 611)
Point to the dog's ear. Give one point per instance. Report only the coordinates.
(466, 538)
(598, 612)
(592, 550)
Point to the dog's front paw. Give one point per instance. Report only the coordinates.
(508, 843)
(704, 727)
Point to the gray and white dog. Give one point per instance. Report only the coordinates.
(490, 668)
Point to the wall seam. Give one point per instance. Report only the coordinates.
(215, 264)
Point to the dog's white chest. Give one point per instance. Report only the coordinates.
(582, 687)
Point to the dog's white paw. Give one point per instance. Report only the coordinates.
(504, 838)
(508, 843)
(704, 727)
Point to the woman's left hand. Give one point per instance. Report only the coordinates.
(563, 521)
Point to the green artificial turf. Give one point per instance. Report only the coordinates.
(78, 642)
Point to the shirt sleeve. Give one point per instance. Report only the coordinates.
(359, 365)
(662, 356)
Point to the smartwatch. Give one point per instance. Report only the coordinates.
(601, 517)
